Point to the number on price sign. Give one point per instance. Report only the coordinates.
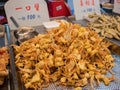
(30, 17)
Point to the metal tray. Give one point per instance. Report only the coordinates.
(115, 85)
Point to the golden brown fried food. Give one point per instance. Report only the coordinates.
(4, 60)
(105, 25)
(69, 55)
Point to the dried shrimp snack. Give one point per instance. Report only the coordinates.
(106, 25)
(69, 55)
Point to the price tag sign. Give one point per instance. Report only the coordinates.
(26, 13)
(116, 8)
(84, 7)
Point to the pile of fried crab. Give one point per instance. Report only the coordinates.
(68, 55)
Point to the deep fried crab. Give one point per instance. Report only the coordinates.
(69, 55)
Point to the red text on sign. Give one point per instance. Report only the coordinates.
(18, 8)
(36, 6)
(81, 3)
(93, 2)
(28, 8)
(87, 2)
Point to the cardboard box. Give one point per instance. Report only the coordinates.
(58, 8)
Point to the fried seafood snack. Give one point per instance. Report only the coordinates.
(69, 55)
(105, 25)
(4, 60)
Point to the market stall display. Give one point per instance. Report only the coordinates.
(69, 55)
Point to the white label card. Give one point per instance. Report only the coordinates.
(84, 7)
(116, 8)
(26, 13)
